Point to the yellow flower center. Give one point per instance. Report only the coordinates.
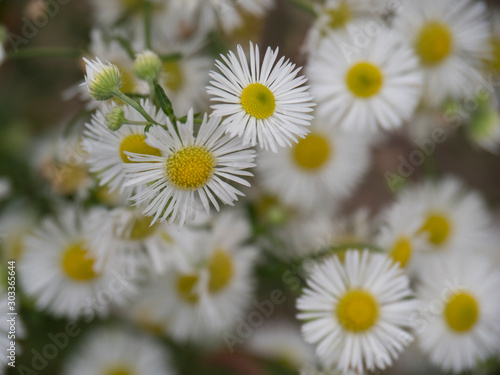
(127, 81)
(190, 168)
(119, 371)
(136, 143)
(401, 251)
(339, 16)
(434, 43)
(221, 271)
(174, 79)
(311, 152)
(357, 311)
(142, 228)
(494, 62)
(438, 228)
(258, 101)
(461, 312)
(77, 264)
(186, 288)
(364, 79)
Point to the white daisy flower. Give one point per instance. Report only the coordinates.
(17, 220)
(280, 341)
(335, 16)
(362, 89)
(317, 172)
(400, 234)
(113, 351)
(125, 232)
(356, 311)
(108, 149)
(266, 105)
(206, 15)
(58, 273)
(450, 38)
(193, 170)
(460, 299)
(453, 219)
(209, 285)
(184, 80)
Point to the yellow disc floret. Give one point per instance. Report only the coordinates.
(119, 371)
(434, 43)
(438, 228)
(401, 251)
(136, 143)
(258, 101)
(186, 288)
(357, 311)
(77, 264)
(190, 168)
(339, 16)
(174, 79)
(461, 312)
(312, 152)
(221, 271)
(364, 79)
(142, 228)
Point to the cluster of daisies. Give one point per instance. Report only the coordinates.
(196, 178)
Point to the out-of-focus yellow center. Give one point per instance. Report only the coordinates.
(174, 79)
(221, 270)
(339, 16)
(311, 152)
(77, 264)
(357, 311)
(127, 81)
(438, 227)
(119, 371)
(142, 228)
(136, 143)
(190, 168)
(494, 62)
(401, 251)
(186, 287)
(364, 79)
(461, 312)
(434, 43)
(258, 101)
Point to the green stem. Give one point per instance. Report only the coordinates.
(171, 57)
(131, 122)
(135, 105)
(44, 52)
(147, 10)
(305, 6)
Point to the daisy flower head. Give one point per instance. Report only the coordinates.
(460, 302)
(102, 79)
(118, 351)
(191, 170)
(450, 39)
(452, 218)
(363, 89)
(316, 172)
(108, 149)
(401, 236)
(209, 284)
(57, 269)
(264, 104)
(356, 311)
(335, 16)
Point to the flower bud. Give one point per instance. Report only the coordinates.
(115, 118)
(102, 79)
(147, 66)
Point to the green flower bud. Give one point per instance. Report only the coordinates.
(115, 118)
(103, 80)
(147, 66)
